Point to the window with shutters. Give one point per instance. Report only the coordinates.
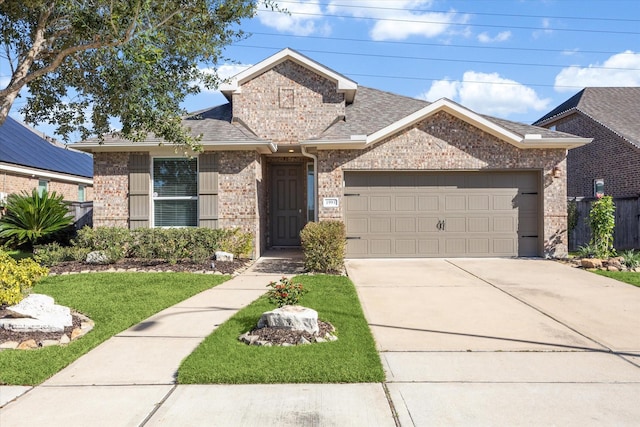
(175, 192)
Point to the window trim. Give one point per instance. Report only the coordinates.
(152, 198)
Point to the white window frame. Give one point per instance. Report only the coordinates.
(153, 197)
(82, 188)
(43, 188)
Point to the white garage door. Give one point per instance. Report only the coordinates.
(442, 214)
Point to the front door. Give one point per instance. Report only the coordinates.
(287, 204)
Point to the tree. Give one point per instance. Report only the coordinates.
(86, 61)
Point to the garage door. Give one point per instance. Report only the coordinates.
(443, 214)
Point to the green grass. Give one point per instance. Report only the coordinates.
(623, 276)
(222, 359)
(114, 301)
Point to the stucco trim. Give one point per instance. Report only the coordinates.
(345, 85)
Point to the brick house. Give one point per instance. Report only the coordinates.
(29, 161)
(611, 116)
(299, 142)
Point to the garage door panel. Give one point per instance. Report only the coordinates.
(430, 214)
(380, 203)
(405, 203)
(428, 203)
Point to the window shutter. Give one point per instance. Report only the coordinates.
(139, 179)
(208, 190)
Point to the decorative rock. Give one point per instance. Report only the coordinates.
(331, 337)
(320, 339)
(37, 313)
(223, 256)
(27, 344)
(49, 343)
(612, 268)
(303, 341)
(77, 332)
(591, 263)
(97, 257)
(64, 340)
(291, 316)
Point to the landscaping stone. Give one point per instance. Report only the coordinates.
(37, 313)
(97, 257)
(612, 268)
(591, 263)
(11, 345)
(28, 344)
(223, 256)
(291, 316)
(64, 340)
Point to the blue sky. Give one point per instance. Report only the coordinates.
(514, 59)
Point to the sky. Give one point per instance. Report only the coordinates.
(513, 59)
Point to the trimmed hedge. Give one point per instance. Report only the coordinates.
(324, 245)
(170, 244)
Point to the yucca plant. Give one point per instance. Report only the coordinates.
(34, 218)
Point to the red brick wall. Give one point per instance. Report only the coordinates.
(608, 157)
(13, 183)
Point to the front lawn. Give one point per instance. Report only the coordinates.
(222, 359)
(623, 276)
(114, 301)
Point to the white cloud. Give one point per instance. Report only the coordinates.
(488, 93)
(500, 37)
(621, 69)
(546, 29)
(394, 19)
(303, 18)
(442, 89)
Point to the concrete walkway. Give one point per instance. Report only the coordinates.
(503, 341)
(463, 342)
(129, 380)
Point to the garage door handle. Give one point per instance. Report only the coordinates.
(353, 238)
(535, 237)
(351, 194)
(440, 225)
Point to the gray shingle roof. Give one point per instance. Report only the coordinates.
(617, 108)
(20, 146)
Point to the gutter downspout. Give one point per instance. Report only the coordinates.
(305, 153)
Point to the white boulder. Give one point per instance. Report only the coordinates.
(224, 256)
(37, 312)
(293, 317)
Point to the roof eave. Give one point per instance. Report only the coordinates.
(263, 147)
(42, 173)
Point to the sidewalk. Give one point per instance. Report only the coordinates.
(129, 380)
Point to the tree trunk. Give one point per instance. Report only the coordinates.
(7, 96)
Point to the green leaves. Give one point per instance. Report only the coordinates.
(602, 222)
(33, 218)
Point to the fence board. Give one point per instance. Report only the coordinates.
(626, 234)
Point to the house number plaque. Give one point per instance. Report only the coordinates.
(330, 202)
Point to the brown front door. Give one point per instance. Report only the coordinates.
(287, 204)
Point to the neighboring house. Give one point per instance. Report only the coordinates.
(298, 142)
(610, 164)
(28, 161)
(611, 116)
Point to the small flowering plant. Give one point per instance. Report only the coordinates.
(285, 292)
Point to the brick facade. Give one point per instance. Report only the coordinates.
(14, 184)
(608, 157)
(288, 104)
(443, 142)
(111, 188)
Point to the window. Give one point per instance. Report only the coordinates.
(43, 185)
(175, 192)
(81, 193)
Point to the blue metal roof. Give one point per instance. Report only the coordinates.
(21, 146)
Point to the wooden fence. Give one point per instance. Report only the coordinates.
(627, 232)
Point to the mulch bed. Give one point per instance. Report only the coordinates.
(155, 265)
(279, 336)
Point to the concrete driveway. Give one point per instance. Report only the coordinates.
(503, 341)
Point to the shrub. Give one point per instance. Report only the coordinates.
(586, 251)
(602, 222)
(17, 278)
(323, 245)
(34, 218)
(631, 258)
(116, 242)
(285, 292)
(237, 242)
